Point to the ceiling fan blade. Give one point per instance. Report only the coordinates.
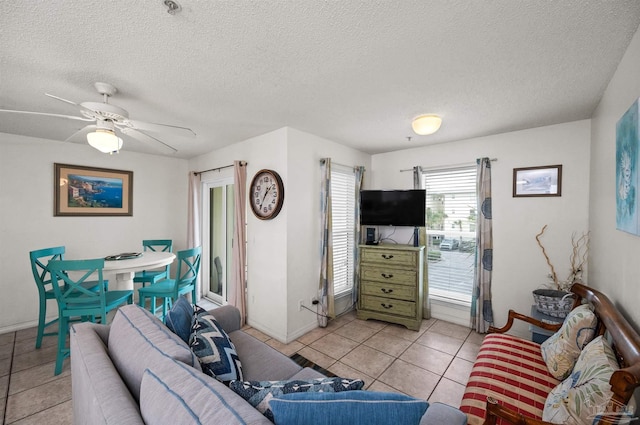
(145, 138)
(71, 117)
(61, 99)
(80, 136)
(161, 128)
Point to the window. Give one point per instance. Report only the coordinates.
(343, 203)
(451, 232)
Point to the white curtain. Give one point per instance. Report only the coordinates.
(194, 219)
(237, 296)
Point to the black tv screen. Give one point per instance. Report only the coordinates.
(392, 207)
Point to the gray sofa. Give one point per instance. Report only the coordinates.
(136, 371)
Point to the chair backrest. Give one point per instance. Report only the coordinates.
(160, 245)
(68, 277)
(188, 267)
(39, 259)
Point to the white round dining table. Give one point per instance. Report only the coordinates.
(125, 269)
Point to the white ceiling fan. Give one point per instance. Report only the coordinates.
(111, 120)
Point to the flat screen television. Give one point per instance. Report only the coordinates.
(392, 207)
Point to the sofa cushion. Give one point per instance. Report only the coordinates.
(137, 339)
(96, 382)
(259, 393)
(216, 353)
(586, 392)
(174, 393)
(349, 407)
(261, 362)
(561, 350)
(511, 370)
(180, 318)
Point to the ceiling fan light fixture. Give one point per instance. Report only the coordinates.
(104, 140)
(426, 124)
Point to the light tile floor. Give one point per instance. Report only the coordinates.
(432, 364)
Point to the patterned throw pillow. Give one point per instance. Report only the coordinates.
(216, 352)
(562, 349)
(585, 394)
(259, 393)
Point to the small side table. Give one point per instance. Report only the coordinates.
(539, 335)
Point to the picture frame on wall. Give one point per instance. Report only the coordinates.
(545, 180)
(92, 191)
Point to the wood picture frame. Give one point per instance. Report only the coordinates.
(537, 181)
(91, 191)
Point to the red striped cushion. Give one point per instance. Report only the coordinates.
(511, 370)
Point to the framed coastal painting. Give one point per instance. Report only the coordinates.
(627, 141)
(91, 191)
(537, 181)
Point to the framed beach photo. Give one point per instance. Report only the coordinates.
(537, 181)
(91, 191)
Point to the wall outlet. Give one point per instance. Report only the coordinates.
(300, 304)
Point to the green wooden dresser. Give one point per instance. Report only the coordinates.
(391, 282)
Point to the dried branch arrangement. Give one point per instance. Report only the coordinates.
(578, 258)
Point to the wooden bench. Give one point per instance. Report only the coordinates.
(509, 382)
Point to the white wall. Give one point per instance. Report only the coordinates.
(613, 265)
(27, 222)
(304, 227)
(267, 240)
(519, 266)
(283, 253)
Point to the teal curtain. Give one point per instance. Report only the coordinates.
(481, 308)
(418, 183)
(325, 288)
(358, 172)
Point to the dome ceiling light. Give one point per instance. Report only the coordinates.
(426, 124)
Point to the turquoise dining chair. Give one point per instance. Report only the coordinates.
(154, 276)
(75, 301)
(170, 289)
(39, 259)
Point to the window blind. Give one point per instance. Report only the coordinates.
(451, 216)
(343, 200)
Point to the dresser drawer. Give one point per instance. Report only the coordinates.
(389, 275)
(390, 256)
(389, 306)
(401, 292)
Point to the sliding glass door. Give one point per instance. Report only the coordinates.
(218, 217)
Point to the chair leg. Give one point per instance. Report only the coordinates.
(63, 327)
(41, 318)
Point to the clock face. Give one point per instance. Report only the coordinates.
(267, 194)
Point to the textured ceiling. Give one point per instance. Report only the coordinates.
(355, 72)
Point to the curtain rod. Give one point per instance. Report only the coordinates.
(242, 163)
(341, 165)
(438, 167)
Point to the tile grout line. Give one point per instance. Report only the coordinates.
(6, 393)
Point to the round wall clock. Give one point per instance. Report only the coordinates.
(266, 194)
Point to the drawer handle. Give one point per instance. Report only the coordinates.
(387, 306)
(387, 257)
(386, 276)
(386, 291)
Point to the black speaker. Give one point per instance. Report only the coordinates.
(371, 236)
(416, 237)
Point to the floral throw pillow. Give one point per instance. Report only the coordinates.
(584, 395)
(562, 349)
